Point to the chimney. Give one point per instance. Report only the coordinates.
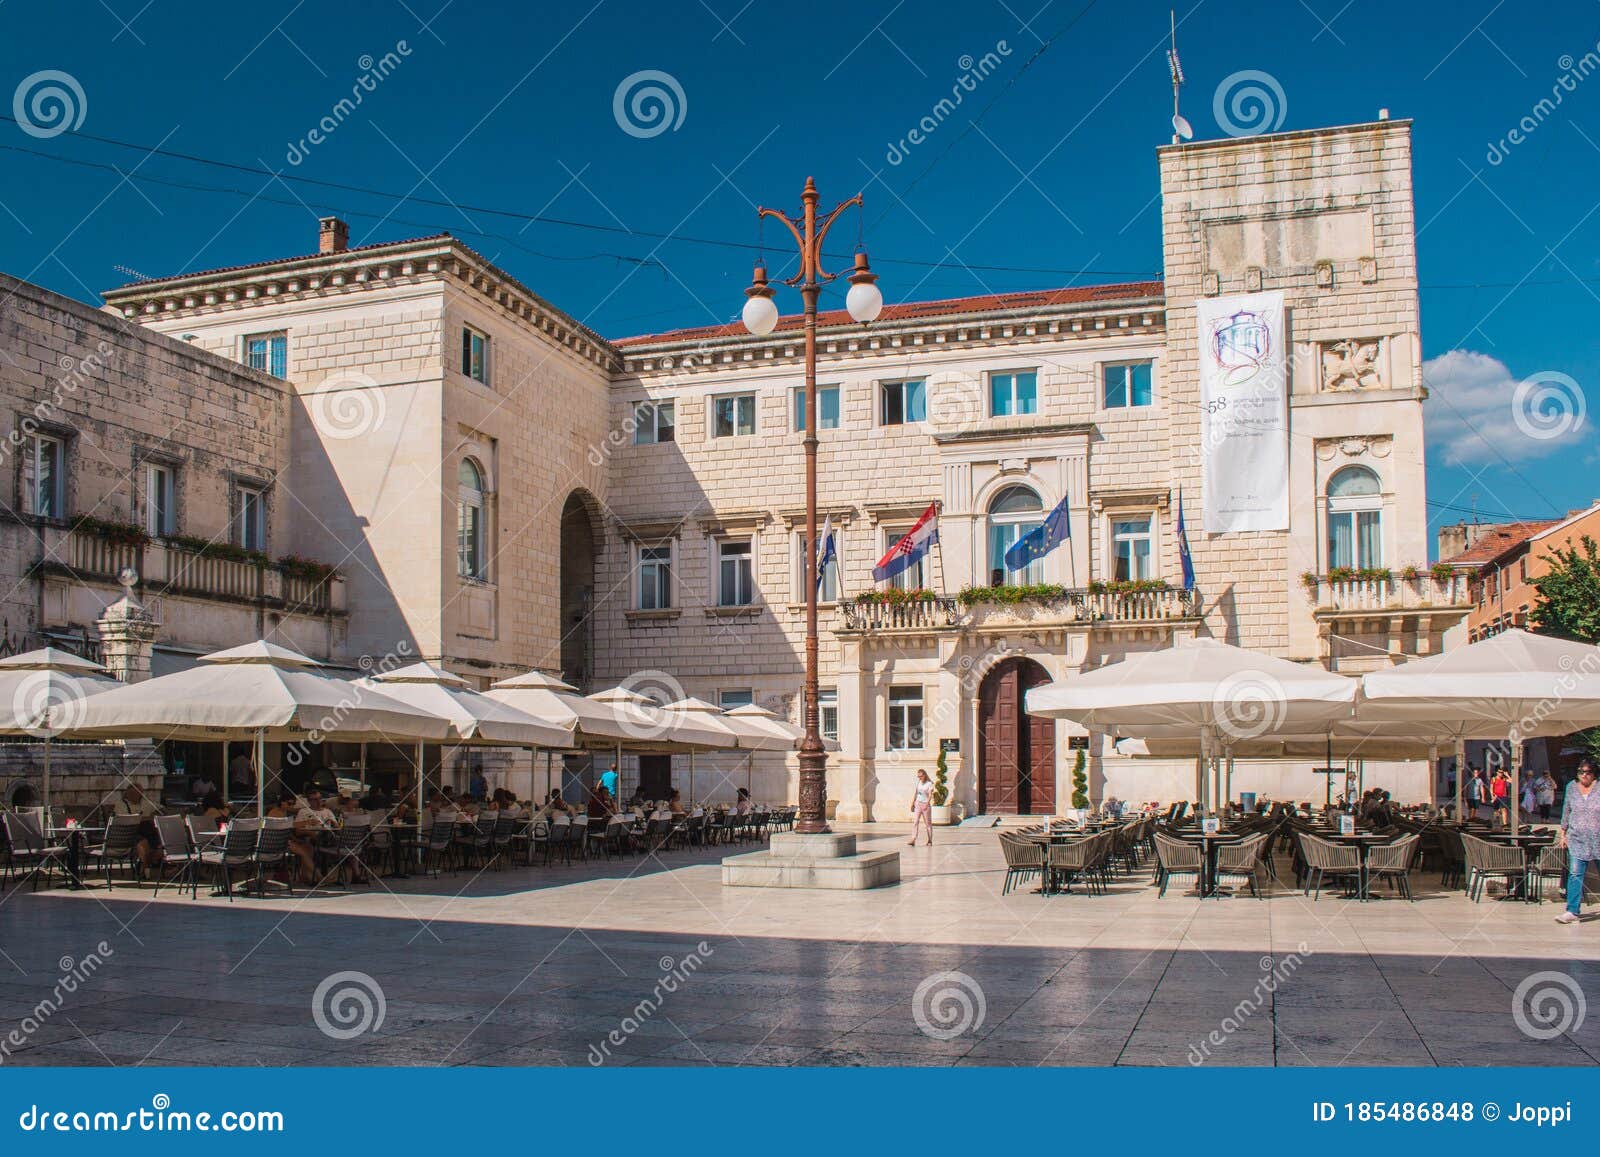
(333, 235)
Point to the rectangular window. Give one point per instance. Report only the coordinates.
(735, 587)
(828, 713)
(905, 718)
(252, 518)
(910, 579)
(654, 422)
(1132, 549)
(655, 578)
(1016, 393)
(44, 477)
(903, 402)
(160, 500)
(268, 352)
(1126, 385)
(827, 408)
(733, 416)
(1355, 538)
(739, 697)
(475, 354)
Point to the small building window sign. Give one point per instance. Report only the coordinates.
(950, 746)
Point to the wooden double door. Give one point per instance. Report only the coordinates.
(1016, 751)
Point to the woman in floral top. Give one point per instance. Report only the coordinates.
(1580, 835)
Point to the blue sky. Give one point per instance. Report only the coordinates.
(1044, 175)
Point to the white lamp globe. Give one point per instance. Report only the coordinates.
(864, 301)
(760, 315)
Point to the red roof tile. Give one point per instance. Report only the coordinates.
(149, 281)
(1496, 540)
(988, 303)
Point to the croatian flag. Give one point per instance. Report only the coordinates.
(1042, 539)
(1183, 549)
(830, 551)
(913, 545)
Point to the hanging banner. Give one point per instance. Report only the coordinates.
(1244, 413)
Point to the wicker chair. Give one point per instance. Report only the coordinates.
(1075, 861)
(120, 846)
(179, 859)
(1487, 861)
(1242, 861)
(1452, 859)
(1024, 860)
(1552, 864)
(1326, 861)
(1176, 859)
(1393, 863)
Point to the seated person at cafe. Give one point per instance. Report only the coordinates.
(556, 804)
(135, 803)
(742, 804)
(214, 808)
(636, 801)
(601, 805)
(310, 821)
(675, 804)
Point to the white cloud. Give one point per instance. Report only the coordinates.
(1478, 412)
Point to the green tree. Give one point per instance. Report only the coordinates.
(1080, 781)
(941, 780)
(1569, 594)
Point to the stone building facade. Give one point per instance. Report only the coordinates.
(502, 489)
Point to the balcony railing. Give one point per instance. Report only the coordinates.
(1070, 608)
(168, 569)
(1379, 595)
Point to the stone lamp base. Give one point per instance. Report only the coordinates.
(828, 860)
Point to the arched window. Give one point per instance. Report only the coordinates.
(471, 538)
(1013, 513)
(1355, 519)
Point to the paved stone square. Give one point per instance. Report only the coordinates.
(651, 961)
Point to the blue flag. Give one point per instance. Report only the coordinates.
(830, 552)
(1042, 539)
(1183, 549)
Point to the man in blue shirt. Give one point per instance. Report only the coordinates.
(608, 780)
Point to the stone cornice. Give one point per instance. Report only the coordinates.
(352, 270)
(1145, 316)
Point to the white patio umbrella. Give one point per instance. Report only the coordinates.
(475, 718)
(1515, 684)
(260, 691)
(699, 715)
(33, 683)
(1225, 694)
(761, 730)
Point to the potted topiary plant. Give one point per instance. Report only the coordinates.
(942, 813)
(1080, 784)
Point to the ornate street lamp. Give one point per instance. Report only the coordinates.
(864, 302)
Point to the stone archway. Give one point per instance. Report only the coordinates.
(580, 551)
(1016, 751)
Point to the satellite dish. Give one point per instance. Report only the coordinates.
(1182, 127)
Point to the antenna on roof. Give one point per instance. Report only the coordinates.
(1181, 130)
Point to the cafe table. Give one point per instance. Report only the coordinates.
(1209, 843)
(74, 834)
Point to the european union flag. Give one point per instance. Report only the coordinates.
(1042, 539)
(1183, 549)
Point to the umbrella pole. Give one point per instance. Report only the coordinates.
(750, 773)
(261, 773)
(363, 768)
(1461, 776)
(1515, 741)
(691, 779)
(420, 802)
(47, 778)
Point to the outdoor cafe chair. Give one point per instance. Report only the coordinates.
(656, 834)
(1487, 861)
(1074, 861)
(119, 846)
(505, 825)
(180, 860)
(1452, 858)
(272, 851)
(1176, 859)
(1393, 862)
(1242, 861)
(1327, 861)
(237, 850)
(1024, 860)
(437, 848)
(29, 849)
(351, 847)
(1550, 865)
